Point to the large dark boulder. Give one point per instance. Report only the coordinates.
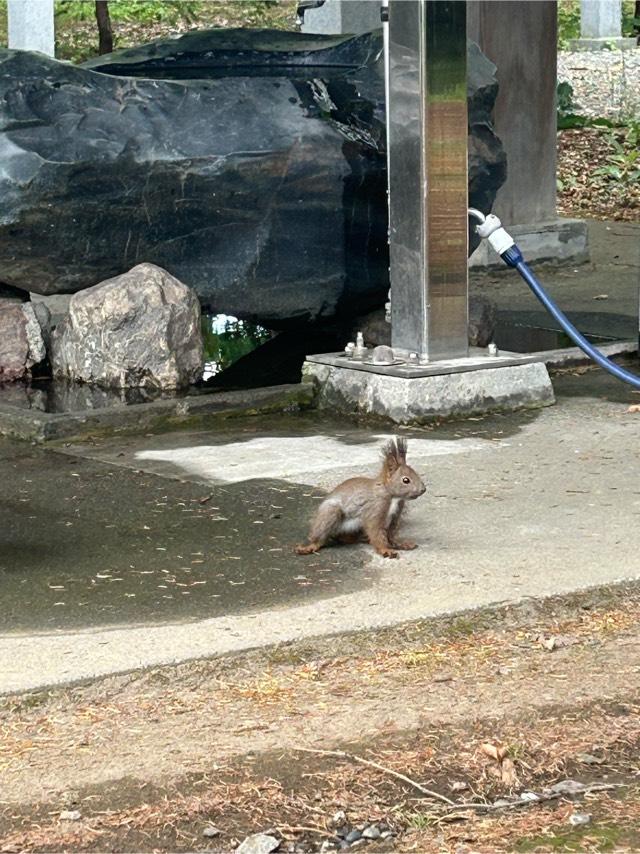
(256, 175)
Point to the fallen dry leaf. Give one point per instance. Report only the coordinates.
(493, 751)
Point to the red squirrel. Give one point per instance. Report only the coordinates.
(369, 509)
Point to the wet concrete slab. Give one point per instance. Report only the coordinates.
(88, 544)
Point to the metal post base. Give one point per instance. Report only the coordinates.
(422, 394)
(410, 366)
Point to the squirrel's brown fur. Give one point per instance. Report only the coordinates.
(368, 508)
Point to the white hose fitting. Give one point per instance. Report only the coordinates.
(492, 230)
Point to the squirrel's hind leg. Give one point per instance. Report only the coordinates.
(324, 527)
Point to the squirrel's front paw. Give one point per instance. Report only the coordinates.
(387, 553)
(407, 546)
(312, 548)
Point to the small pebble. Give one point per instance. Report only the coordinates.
(589, 759)
(353, 836)
(579, 819)
(70, 815)
(211, 831)
(386, 834)
(371, 832)
(358, 842)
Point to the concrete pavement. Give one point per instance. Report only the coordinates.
(519, 505)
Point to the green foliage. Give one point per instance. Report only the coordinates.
(569, 21)
(623, 163)
(567, 117)
(236, 340)
(136, 22)
(157, 11)
(630, 24)
(130, 11)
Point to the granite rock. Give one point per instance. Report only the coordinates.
(22, 343)
(249, 164)
(140, 329)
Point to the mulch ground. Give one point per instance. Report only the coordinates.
(581, 193)
(555, 694)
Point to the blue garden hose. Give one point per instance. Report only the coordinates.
(491, 228)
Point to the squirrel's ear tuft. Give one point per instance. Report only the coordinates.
(401, 446)
(394, 454)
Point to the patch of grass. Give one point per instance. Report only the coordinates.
(420, 820)
(602, 838)
(462, 627)
(287, 654)
(25, 702)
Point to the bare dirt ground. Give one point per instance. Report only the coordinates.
(472, 710)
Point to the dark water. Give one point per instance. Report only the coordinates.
(531, 339)
(56, 395)
(226, 340)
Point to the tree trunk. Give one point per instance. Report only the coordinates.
(104, 27)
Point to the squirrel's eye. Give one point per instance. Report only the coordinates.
(406, 480)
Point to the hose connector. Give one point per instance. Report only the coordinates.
(490, 228)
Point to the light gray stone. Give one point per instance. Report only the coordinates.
(580, 819)
(211, 831)
(22, 344)
(567, 787)
(371, 832)
(70, 815)
(259, 843)
(418, 400)
(140, 329)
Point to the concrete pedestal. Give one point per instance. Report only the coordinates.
(607, 43)
(558, 241)
(423, 399)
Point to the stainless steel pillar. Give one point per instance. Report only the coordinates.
(427, 133)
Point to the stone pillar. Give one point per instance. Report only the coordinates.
(30, 25)
(519, 37)
(343, 16)
(601, 26)
(600, 19)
